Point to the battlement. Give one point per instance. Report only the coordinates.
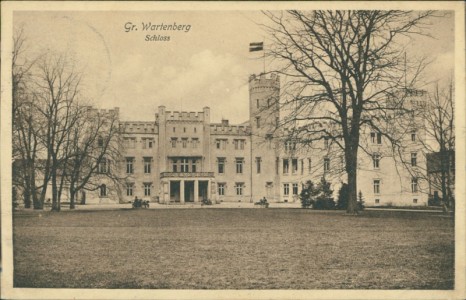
(263, 81)
(314, 126)
(103, 112)
(189, 116)
(138, 127)
(224, 129)
(184, 116)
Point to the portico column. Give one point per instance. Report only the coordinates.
(167, 191)
(181, 191)
(196, 190)
(208, 190)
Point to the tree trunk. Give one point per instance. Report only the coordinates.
(351, 170)
(55, 198)
(35, 201)
(72, 197)
(352, 192)
(27, 193)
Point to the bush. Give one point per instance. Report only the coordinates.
(324, 199)
(322, 203)
(307, 195)
(206, 202)
(342, 202)
(360, 201)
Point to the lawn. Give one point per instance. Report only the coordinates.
(233, 249)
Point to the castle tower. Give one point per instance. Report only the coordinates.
(264, 114)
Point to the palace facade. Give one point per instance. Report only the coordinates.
(183, 157)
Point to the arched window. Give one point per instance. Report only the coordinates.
(103, 190)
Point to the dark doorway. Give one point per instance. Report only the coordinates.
(189, 191)
(174, 191)
(203, 186)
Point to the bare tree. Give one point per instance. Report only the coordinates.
(24, 116)
(57, 139)
(440, 129)
(95, 144)
(56, 90)
(340, 67)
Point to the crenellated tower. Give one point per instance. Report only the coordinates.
(264, 115)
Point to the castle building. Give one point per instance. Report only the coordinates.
(183, 157)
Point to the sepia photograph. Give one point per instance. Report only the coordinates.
(257, 151)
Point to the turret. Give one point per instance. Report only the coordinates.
(264, 95)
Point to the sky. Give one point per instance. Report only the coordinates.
(208, 65)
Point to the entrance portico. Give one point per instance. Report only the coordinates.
(186, 187)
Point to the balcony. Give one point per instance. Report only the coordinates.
(186, 175)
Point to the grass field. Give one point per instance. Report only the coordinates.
(233, 249)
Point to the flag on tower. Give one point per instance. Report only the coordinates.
(256, 46)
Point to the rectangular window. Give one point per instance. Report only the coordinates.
(413, 159)
(221, 189)
(302, 166)
(175, 165)
(326, 142)
(290, 145)
(295, 188)
(239, 144)
(239, 165)
(414, 186)
(414, 201)
(147, 188)
(376, 160)
(221, 165)
(413, 136)
(194, 166)
(309, 165)
(294, 165)
(147, 165)
(129, 165)
(195, 142)
(130, 143)
(326, 164)
(221, 144)
(377, 201)
(239, 188)
(184, 142)
(103, 166)
(376, 138)
(184, 165)
(258, 122)
(286, 189)
(286, 166)
(258, 165)
(147, 143)
(377, 186)
(129, 189)
(173, 141)
(100, 141)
